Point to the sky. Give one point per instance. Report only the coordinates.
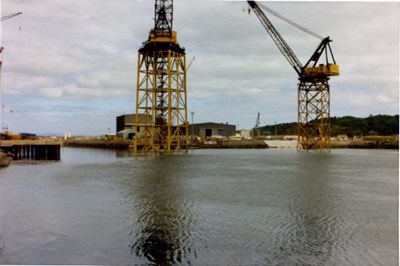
(71, 65)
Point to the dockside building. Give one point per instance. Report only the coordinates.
(205, 130)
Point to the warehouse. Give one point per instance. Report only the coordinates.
(206, 130)
(125, 127)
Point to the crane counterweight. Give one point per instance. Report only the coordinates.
(322, 70)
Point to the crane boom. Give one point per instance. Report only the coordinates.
(257, 121)
(277, 38)
(310, 68)
(291, 22)
(10, 16)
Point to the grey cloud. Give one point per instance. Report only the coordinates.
(84, 52)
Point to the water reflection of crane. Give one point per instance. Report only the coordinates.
(313, 227)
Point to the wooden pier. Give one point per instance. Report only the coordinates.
(32, 149)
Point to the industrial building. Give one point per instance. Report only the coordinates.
(205, 130)
(125, 125)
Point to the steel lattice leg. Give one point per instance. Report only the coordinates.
(313, 127)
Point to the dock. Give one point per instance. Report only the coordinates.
(32, 149)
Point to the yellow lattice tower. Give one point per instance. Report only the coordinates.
(161, 123)
(313, 127)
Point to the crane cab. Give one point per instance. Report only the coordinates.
(322, 70)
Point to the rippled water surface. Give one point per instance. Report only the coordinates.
(241, 207)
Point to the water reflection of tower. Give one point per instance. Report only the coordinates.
(162, 213)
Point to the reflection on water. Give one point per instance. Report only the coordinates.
(2, 257)
(208, 207)
(311, 226)
(161, 206)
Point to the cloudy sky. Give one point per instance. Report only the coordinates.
(70, 65)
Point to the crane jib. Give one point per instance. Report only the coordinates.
(309, 69)
(10, 16)
(277, 38)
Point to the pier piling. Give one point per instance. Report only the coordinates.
(33, 151)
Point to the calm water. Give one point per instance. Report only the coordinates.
(208, 207)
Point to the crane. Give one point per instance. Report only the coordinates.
(309, 69)
(313, 126)
(1, 63)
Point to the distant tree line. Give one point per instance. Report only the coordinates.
(382, 125)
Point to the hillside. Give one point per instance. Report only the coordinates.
(382, 125)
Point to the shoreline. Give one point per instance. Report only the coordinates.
(6, 158)
(247, 144)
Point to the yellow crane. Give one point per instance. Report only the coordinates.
(313, 124)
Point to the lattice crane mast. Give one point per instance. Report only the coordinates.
(163, 16)
(313, 92)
